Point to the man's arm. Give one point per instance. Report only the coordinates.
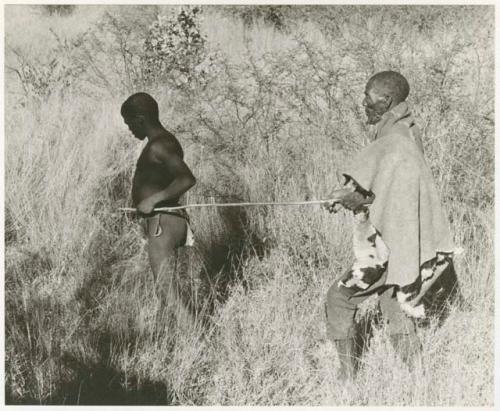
(351, 200)
(355, 199)
(182, 182)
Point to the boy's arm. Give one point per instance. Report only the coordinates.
(182, 182)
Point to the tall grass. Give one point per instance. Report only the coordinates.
(280, 114)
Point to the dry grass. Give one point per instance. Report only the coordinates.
(83, 324)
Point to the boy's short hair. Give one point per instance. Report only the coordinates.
(142, 104)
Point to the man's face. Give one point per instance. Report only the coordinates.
(135, 125)
(375, 104)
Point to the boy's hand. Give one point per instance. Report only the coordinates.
(146, 206)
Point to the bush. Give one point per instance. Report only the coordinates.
(274, 16)
(59, 9)
(174, 48)
(41, 77)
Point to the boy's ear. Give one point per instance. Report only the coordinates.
(140, 118)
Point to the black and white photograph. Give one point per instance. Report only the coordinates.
(249, 204)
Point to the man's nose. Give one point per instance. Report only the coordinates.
(364, 103)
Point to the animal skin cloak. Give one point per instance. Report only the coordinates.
(406, 210)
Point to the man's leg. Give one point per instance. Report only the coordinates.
(165, 234)
(401, 328)
(340, 312)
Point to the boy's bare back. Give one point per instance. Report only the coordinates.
(161, 176)
(156, 168)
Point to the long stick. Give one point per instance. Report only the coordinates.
(265, 203)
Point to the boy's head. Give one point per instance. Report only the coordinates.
(139, 112)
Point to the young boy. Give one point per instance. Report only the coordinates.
(161, 178)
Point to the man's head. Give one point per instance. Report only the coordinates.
(140, 111)
(383, 91)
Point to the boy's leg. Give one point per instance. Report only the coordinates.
(165, 234)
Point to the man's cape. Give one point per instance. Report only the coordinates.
(407, 210)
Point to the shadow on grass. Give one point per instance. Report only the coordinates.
(223, 257)
(99, 383)
(90, 378)
(95, 378)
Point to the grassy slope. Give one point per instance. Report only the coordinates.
(82, 320)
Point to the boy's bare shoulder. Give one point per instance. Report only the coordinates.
(165, 146)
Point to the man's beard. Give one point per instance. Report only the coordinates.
(374, 115)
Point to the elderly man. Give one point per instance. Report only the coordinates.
(161, 178)
(402, 240)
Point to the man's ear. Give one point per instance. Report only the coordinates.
(388, 101)
(340, 177)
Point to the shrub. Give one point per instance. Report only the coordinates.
(173, 47)
(274, 16)
(59, 9)
(40, 78)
